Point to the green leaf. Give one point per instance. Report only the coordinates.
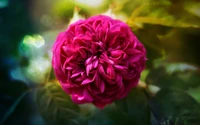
(175, 75)
(56, 106)
(193, 7)
(181, 45)
(110, 115)
(144, 74)
(175, 107)
(152, 45)
(164, 12)
(136, 107)
(195, 93)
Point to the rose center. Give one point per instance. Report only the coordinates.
(98, 54)
(100, 49)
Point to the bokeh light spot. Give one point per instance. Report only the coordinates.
(35, 40)
(3, 3)
(91, 2)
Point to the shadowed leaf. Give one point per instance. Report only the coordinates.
(174, 75)
(152, 44)
(56, 106)
(135, 106)
(175, 107)
(195, 93)
(110, 115)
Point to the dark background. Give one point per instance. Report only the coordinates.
(15, 22)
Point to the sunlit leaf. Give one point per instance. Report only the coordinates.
(193, 7)
(135, 106)
(63, 10)
(166, 13)
(180, 67)
(144, 74)
(174, 107)
(56, 106)
(195, 93)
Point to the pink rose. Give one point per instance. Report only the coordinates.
(98, 60)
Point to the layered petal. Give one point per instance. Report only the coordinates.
(98, 60)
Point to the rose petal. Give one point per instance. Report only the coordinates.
(120, 67)
(102, 87)
(88, 61)
(110, 71)
(98, 60)
(86, 81)
(95, 64)
(75, 75)
(87, 96)
(67, 50)
(69, 68)
(88, 68)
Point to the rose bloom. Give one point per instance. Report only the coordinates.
(98, 60)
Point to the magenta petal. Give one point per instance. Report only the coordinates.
(82, 53)
(77, 99)
(95, 64)
(101, 70)
(67, 50)
(88, 68)
(82, 96)
(86, 81)
(99, 104)
(120, 67)
(102, 87)
(97, 80)
(75, 75)
(87, 96)
(111, 62)
(88, 61)
(98, 60)
(69, 68)
(110, 71)
(78, 95)
(79, 79)
(116, 53)
(66, 85)
(135, 58)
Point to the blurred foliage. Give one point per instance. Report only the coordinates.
(55, 104)
(195, 93)
(152, 44)
(179, 76)
(167, 13)
(169, 29)
(135, 105)
(175, 107)
(110, 115)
